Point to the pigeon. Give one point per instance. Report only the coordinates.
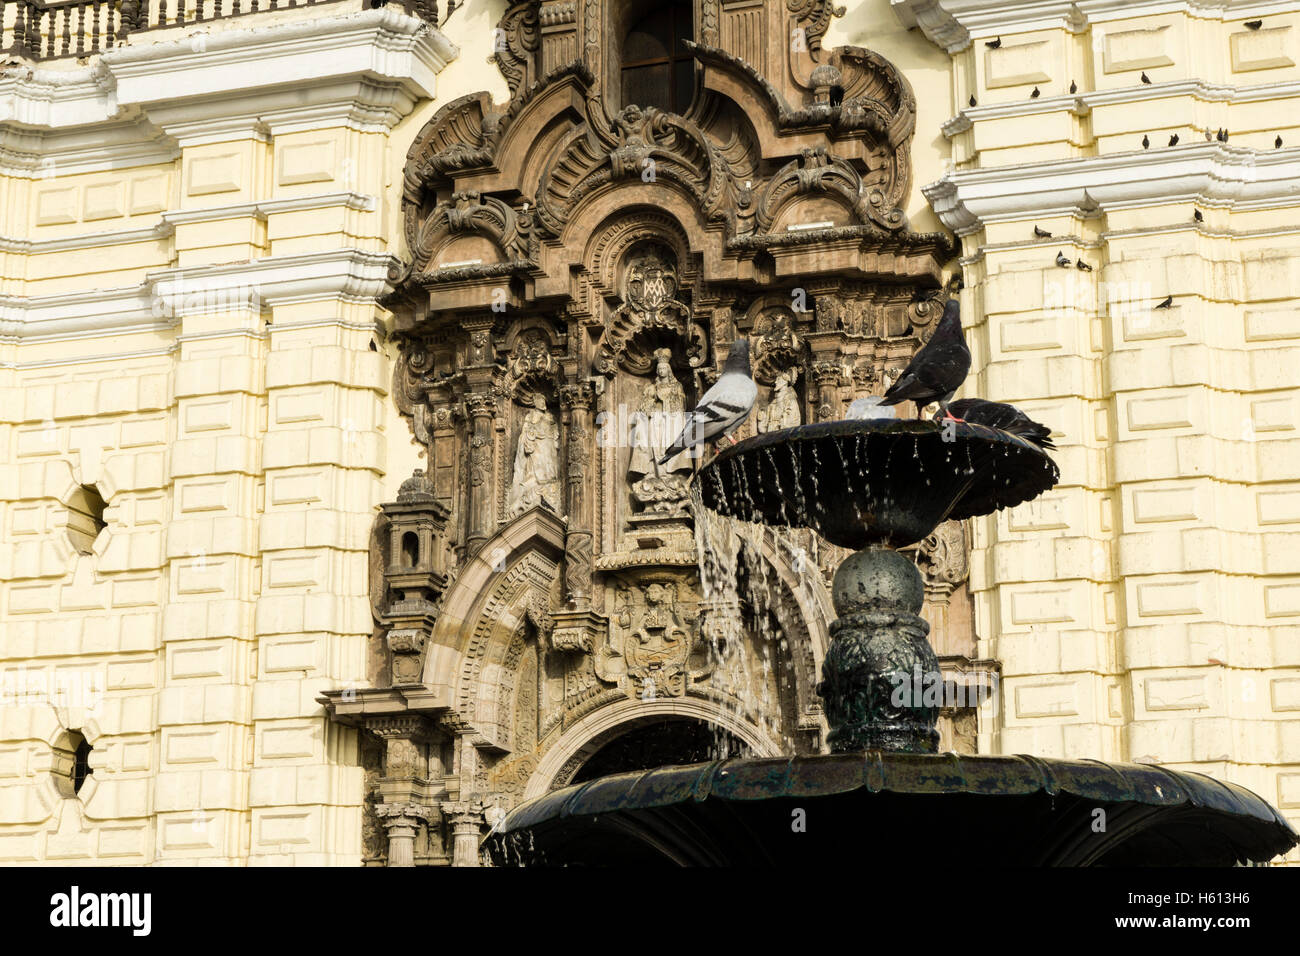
(1208, 136)
(1168, 303)
(723, 408)
(1041, 233)
(1254, 24)
(872, 406)
(1083, 266)
(1034, 95)
(938, 369)
(1277, 143)
(1146, 79)
(1173, 140)
(994, 44)
(1000, 415)
(1074, 87)
(972, 99)
(1223, 136)
(1196, 214)
(1061, 260)
(1146, 143)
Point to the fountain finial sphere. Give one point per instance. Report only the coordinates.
(877, 578)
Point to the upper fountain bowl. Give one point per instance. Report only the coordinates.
(864, 482)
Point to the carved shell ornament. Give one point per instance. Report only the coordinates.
(651, 317)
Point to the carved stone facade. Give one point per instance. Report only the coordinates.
(577, 269)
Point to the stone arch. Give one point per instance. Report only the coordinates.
(508, 581)
(600, 726)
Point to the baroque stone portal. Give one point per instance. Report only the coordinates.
(579, 259)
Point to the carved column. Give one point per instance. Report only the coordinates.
(576, 401)
(404, 786)
(467, 829)
(828, 376)
(480, 408)
(401, 821)
(559, 32)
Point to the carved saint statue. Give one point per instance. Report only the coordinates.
(660, 417)
(782, 409)
(537, 475)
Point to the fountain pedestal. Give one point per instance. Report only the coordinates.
(880, 666)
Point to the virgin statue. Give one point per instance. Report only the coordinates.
(537, 475)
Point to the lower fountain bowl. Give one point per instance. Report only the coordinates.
(874, 481)
(1004, 810)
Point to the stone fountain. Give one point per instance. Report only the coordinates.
(874, 486)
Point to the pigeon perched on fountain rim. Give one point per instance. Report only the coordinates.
(938, 368)
(723, 408)
(1000, 415)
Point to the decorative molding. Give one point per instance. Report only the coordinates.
(953, 24)
(270, 207)
(1080, 104)
(94, 240)
(1233, 177)
(366, 70)
(351, 274)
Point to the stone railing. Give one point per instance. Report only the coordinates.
(52, 29)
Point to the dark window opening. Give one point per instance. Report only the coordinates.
(658, 70)
(71, 763)
(85, 518)
(410, 550)
(81, 765)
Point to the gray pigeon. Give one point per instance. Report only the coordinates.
(724, 407)
(1007, 418)
(938, 369)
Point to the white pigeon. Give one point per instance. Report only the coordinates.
(724, 407)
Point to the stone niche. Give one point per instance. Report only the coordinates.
(576, 268)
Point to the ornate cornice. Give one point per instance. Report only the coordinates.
(953, 24)
(1081, 104)
(1212, 174)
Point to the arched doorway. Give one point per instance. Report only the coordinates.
(662, 742)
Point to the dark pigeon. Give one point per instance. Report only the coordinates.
(938, 369)
(994, 44)
(1000, 415)
(1062, 261)
(1041, 233)
(1173, 140)
(723, 408)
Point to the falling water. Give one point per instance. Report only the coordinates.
(749, 657)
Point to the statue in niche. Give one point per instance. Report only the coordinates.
(782, 409)
(659, 418)
(537, 475)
